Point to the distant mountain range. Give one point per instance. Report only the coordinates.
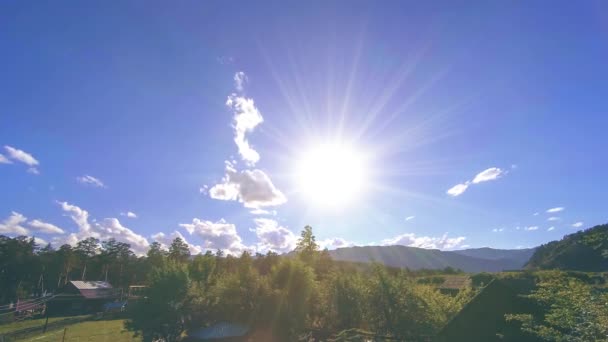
(468, 260)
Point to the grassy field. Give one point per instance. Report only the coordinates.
(94, 331)
(10, 327)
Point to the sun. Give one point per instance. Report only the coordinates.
(331, 174)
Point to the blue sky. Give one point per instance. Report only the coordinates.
(461, 125)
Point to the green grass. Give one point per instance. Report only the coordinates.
(29, 323)
(94, 331)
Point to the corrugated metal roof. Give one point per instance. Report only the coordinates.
(91, 285)
(456, 282)
(220, 330)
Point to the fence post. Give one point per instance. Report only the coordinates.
(45, 324)
(64, 331)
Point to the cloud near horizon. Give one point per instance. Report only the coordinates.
(273, 237)
(486, 175)
(411, 240)
(106, 229)
(16, 222)
(216, 235)
(166, 240)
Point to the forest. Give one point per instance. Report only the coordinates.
(292, 296)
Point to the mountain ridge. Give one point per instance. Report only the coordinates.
(469, 260)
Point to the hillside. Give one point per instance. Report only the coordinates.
(472, 260)
(586, 250)
(518, 255)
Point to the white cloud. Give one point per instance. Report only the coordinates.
(253, 188)
(12, 225)
(90, 180)
(334, 243)
(166, 240)
(246, 118)
(33, 171)
(498, 230)
(555, 210)
(550, 228)
(40, 242)
(21, 156)
(409, 218)
(488, 175)
(45, 227)
(553, 218)
(104, 230)
(129, 214)
(216, 235)
(410, 239)
(536, 214)
(577, 224)
(273, 237)
(4, 160)
(531, 228)
(458, 189)
(239, 80)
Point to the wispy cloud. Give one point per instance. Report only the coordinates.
(4, 160)
(129, 214)
(486, 175)
(498, 230)
(555, 210)
(536, 214)
(492, 173)
(239, 80)
(458, 189)
(45, 227)
(553, 218)
(91, 181)
(550, 228)
(22, 157)
(531, 228)
(410, 218)
(577, 224)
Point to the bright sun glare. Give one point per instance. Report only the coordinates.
(331, 175)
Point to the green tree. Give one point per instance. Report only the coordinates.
(573, 311)
(307, 246)
(161, 315)
(179, 250)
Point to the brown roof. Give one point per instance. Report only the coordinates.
(456, 282)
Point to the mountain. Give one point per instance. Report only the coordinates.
(586, 250)
(518, 255)
(468, 260)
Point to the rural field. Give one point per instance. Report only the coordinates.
(94, 331)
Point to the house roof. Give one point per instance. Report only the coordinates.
(456, 282)
(219, 331)
(90, 285)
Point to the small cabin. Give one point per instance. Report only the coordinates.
(82, 297)
(453, 284)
